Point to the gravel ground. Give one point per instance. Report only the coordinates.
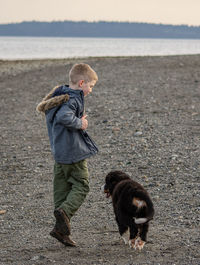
(144, 114)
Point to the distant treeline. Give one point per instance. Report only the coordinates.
(99, 29)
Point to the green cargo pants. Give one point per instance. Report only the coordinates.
(71, 185)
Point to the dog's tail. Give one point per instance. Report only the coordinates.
(145, 207)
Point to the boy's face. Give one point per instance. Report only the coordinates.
(87, 86)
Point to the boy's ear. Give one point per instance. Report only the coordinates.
(80, 83)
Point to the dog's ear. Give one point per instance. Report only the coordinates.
(113, 182)
(111, 178)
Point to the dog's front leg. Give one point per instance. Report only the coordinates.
(123, 228)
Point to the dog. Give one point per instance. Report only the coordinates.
(132, 206)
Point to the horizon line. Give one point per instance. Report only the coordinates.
(98, 21)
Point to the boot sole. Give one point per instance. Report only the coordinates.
(61, 240)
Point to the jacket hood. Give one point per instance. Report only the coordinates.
(54, 98)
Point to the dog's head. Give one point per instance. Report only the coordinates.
(112, 179)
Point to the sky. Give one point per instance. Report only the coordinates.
(174, 12)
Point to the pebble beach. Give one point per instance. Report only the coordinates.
(144, 115)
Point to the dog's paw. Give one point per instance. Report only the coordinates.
(139, 244)
(136, 243)
(132, 243)
(125, 240)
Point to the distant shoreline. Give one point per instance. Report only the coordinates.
(96, 37)
(102, 29)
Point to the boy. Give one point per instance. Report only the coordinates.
(70, 145)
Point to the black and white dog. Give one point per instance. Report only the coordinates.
(132, 205)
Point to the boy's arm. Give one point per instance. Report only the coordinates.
(84, 122)
(67, 116)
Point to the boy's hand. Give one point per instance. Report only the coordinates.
(84, 122)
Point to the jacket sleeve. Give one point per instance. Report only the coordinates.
(67, 115)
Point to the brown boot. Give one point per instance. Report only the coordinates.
(62, 222)
(64, 239)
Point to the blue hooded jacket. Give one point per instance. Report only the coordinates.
(64, 108)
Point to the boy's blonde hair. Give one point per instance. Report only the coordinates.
(82, 71)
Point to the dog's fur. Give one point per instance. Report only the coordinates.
(132, 205)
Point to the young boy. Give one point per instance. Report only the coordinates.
(70, 145)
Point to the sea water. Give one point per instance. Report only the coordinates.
(12, 48)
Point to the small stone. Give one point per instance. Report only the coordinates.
(195, 113)
(2, 211)
(174, 156)
(116, 129)
(35, 258)
(138, 133)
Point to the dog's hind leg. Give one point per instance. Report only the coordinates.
(133, 234)
(143, 229)
(142, 236)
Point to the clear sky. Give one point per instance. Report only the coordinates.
(151, 11)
